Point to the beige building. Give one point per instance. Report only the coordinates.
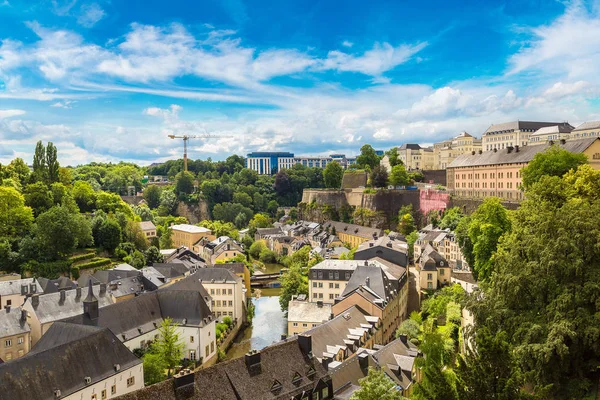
(416, 157)
(586, 130)
(433, 269)
(187, 235)
(226, 290)
(498, 172)
(14, 292)
(148, 228)
(15, 338)
(221, 249)
(548, 134)
(328, 279)
(351, 234)
(304, 315)
(512, 134)
(445, 152)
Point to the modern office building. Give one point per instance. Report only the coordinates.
(269, 163)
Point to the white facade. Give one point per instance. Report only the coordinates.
(227, 299)
(119, 384)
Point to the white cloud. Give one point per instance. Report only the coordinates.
(90, 14)
(66, 104)
(347, 43)
(167, 113)
(10, 113)
(63, 7)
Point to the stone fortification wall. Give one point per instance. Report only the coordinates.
(436, 176)
(468, 206)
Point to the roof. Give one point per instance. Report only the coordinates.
(153, 276)
(375, 279)
(235, 267)
(8, 288)
(233, 379)
(524, 155)
(385, 241)
(171, 270)
(54, 285)
(462, 135)
(63, 357)
(190, 228)
(393, 271)
(305, 311)
(351, 229)
(587, 125)
(463, 276)
(107, 276)
(147, 226)
(518, 125)
(215, 275)
(190, 283)
(562, 128)
(410, 146)
(132, 318)
(11, 322)
(431, 259)
(51, 308)
(268, 231)
(126, 286)
(345, 265)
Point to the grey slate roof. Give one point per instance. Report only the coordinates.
(518, 125)
(54, 285)
(587, 125)
(171, 270)
(375, 278)
(62, 358)
(191, 282)
(563, 128)
(524, 155)
(410, 146)
(8, 288)
(106, 276)
(147, 226)
(126, 286)
(11, 322)
(216, 275)
(305, 311)
(351, 229)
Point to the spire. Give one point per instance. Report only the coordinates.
(90, 304)
(90, 296)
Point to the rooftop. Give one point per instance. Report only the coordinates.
(147, 226)
(305, 311)
(190, 228)
(12, 322)
(54, 285)
(8, 288)
(588, 125)
(546, 130)
(531, 126)
(215, 275)
(351, 229)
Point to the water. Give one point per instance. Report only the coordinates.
(271, 268)
(267, 327)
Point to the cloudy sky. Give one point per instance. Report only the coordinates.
(108, 80)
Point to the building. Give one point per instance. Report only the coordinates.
(304, 315)
(73, 362)
(283, 371)
(136, 322)
(416, 157)
(464, 279)
(586, 130)
(446, 151)
(45, 309)
(352, 234)
(498, 172)
(512, 134)
(187, 235)
(240, 270)
(269, 163)
(226, 290)
(172, 272)
(328, 279)
(433, 269)
(385, 247)
(15, 333)
(554, 133)
(222, 248)
(396, 359)
(445, 243)
(14, 292)
(264, 233)
(148, 228)
(56, 285)
(12, 276)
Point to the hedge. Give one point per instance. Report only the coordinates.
(96, 263)
(81, 257)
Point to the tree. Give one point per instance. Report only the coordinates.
(153, 255)
(184, 183)
(260, 221)
(333, 175)
(58, 232)
(438, 382)
(65, 176)
(168, 203)
(15, 218)
(399, 176)
(154, 368)
(379, 176)
(367, 159)
(40, 170)
(376, 385)
(229, 211)
(243, 199)
(256, 248)
(136, 259)
(152, 196)
(272, 207)
(552, 162)
(84, 196)
(293, 282)
(17, 169)
(168, 346)
(109, 235)
(451, 218)
(393, 157)
(406, 225)
(165, 240)
(52, 163)
(410, 328)
(410, 240)
(133, 233)
(38, 197)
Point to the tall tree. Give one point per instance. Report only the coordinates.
(333, 175)
(184, 183)
(40, 170)
(109, 234)
(152, 196)
(367, 159)
(379, 176)
(15, 218)
(552, 162)
(84, 196)
(451, 218)
(438, 382)
(393, 157)
(52, 163)
(293, 282)
(58, 232)
(376, 385)
(399, 176)
(169, 346)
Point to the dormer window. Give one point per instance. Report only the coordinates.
(276, 387)
(297, 379)
(311, 373)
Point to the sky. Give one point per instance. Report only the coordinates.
(108, 80)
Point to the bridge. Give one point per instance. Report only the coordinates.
(265, 280)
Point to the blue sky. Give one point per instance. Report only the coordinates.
(108, 80)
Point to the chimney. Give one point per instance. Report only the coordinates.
(363, 361)
(252, 359)
(7, 308)
(389, 245)
(320, 304)
(63, 296)
(305, 342)
(35, 300)
(23, 315)
(496, 150)
(90, 304)
(403, 339)
(516, 148)
(102, 288)
(78, 293)
(367, 281)
(371, 244)
(473, 153)
(366, 263)
(325, 362)
(563, 141)
(509, 149)
(480, 151)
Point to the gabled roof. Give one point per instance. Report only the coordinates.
(374, 278)
(147, 226)
(410, 146)
(8, 288)
(587, 125)
(216, 275)
(563, 128)
(54, 285)
(518, 125)
(62, 359)
(351, 229)
(171, 270)
(12, 323)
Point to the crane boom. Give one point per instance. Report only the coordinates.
(188, 137)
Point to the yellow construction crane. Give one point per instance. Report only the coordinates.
(188, 137)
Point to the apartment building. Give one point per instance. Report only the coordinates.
(15, 337)
(416, 157)
(304, 315)
(351, 234)
(328, 279)
(554, 133)
(586, 130)
(14, 292)
(433, 269)
(221, 249)
(226, 290)
(445, 243)
(512, 134)
(385, 247)
(498, 172)
(188, 235)
(445, 152)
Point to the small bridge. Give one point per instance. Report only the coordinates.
(265, 280)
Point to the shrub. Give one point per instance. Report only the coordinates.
(228, 321)
(81, 257)
(100, 262)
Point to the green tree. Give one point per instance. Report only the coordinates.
(293, 282)
(451, 218)
(376, 385)
(184, 183)
(38, 197)
(84, 196)
(15, 218)
(379, 176)
(260, 221)
(109, 235)
(136, 259)
(154, 368)
(406, 224)
(399, 176)
(552, 162)
(18, 169)
(152, 196)
(256, 248)
(168, 203)
(367, 159)
(438, 382)
(133, 234)
(165, 240)
(169, 346)
(58, 232)
(410, 328)
(410, 240)
(52, 163)
(153, 255)
(333, 175)
(40, 170)
(272, 207)
(243, 199)
(393, 157)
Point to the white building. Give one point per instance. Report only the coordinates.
(14, 292)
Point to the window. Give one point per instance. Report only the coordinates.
(7, 343)
(131, 381)
(193, 355)
(429, 276)
(206, 351)
(212, 346)
(218, 292)
(191, 339)
(315, 295)
(429, 285)
(20, 340)
(103, 394)
(441, 271)
(230, 313)
(230, 291)
(320, 295)
(94, 397)
(330, 285)
(295, 324)
(330, 296)
(8, 302)
(314, 284)
(320, 284)
(230, 303)
(337, 285)
(212, 291)
(304, 325)
(218, 303)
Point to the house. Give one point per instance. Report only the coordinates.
(148, 229)
(304, 315)
(396, 359)
(511, 134)
(15, 333)
(173, 271)
(465, 280)
(445, 243)
(283, 371)
(548, 133)
(352, 234)
(381, 289)
(73, 362)
(433, 269)
(446, 151)
(122, 282)
(339, 338)
(240, 270)
(136, 322)
(56, 285)
(226, 290)
(387, 248)
(45, 309)
(187, 235)
(586, 130)
(262, 233)
(328, 279)
(282, 245)
(415, 157)
(14, 292)
(222, 248)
